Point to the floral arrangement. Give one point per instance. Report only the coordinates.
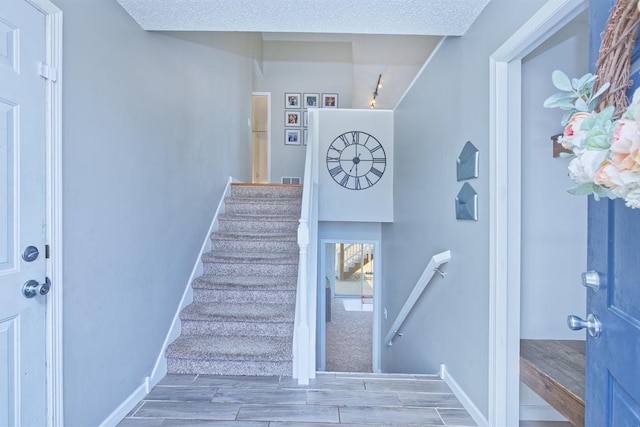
(605, 152)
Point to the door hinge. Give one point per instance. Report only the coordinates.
(48, 72)
(47, 255)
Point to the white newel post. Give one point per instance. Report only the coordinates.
(302, 334)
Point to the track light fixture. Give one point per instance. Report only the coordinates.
(375, 92)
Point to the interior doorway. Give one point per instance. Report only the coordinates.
(347, 316)
(545, 304)
(261, 137)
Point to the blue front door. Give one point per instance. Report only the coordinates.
(613, 358)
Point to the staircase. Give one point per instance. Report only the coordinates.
(242, 315)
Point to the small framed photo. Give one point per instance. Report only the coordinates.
(305, 136)
(329, 100)
(291, 100)
(305, 119)
(292, 137)
(292, 118)
(311, 100)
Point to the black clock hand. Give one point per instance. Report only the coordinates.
(355, 163)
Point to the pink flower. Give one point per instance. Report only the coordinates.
(625, 146)
(572, 135)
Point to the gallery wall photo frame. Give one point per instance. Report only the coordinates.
(292, 100)
(305, 119)
(310, 100)
(329, 100)
(305, 136)
(292, 137)
(292, 118)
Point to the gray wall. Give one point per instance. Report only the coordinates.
(447, 106)
(153, 126)
(312, 67)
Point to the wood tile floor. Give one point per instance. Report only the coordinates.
(354, 400)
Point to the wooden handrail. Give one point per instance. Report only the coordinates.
(433, 267)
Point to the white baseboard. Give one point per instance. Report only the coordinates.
(540, 413)
(129, 403)
(468, 404)
(160, 368)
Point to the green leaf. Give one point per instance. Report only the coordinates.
(585, 82)
(581, 105)
(601, 191)
(566, 117)
(582, 190)
(558, 99)
(561, 81)
(601, 90)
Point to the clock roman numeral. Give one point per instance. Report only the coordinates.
(344, 180)
(376, 148)
(379, 160)
(335, 171)
(368, 181)
(345, 140)
(376, 172)
(357, 184)
(333, 159)
(355, 137)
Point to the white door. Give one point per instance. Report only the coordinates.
(260, 136)
(22, 215)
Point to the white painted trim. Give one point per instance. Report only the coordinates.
(269, 134)
(504, 200)
(466, 401)
(415, 79)
(160, 367)
(127, 405)
(53, 141)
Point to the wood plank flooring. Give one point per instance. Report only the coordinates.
(352, 400)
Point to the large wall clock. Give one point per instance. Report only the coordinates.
(356, 160)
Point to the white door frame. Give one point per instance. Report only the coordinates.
(53, 141)
(268, 95)
(505, 198)
(376, 339)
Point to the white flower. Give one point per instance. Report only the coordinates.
(582, 169)
(630, 193)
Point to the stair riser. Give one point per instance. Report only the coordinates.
(253, 246)
(259, 191)
(241, 208)
(243, 296)
(227, 367)
(231, 225)
(238, 329)
(230, 269)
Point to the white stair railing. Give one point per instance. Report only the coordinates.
(432, 268)
(304, 339)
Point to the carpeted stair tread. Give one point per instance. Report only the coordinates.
(209, 281)
(269, 313)
(221, 348)
(261, 200)
(254, 236)
(251, 257)
(258, 218)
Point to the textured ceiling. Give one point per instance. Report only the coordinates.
(417, 17)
